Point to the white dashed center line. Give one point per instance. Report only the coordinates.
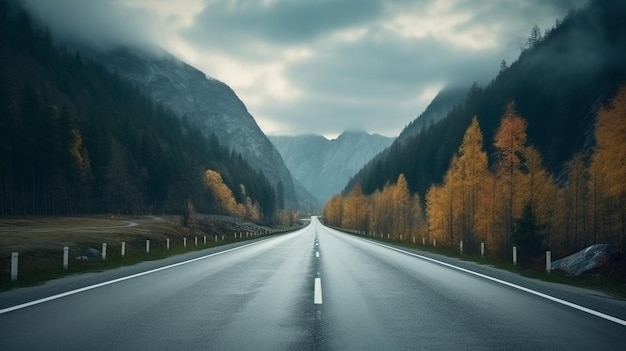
(317, 295)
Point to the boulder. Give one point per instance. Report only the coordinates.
(583, 261)
(90, 252)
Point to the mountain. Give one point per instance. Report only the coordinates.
(210, 105)
(439, 108)
(557, 84)
(324, 166)
(75, 138)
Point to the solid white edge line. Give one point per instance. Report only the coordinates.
(515, 286)
(73, 292)
(317, 294)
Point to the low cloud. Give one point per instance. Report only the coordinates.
(319, 66)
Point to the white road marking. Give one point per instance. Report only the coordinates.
(317, 294)
(515, 286)
(73, 292)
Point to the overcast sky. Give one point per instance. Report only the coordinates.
(320, 66)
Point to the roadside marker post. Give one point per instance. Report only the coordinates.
(548, 262)
(205, 240)
(104, 251)
(196, 241)
(14, 263)
(167, 243)
(123, 249)
(515, 255)
(184, 242)
(147, 246)
(461, 247)
(66, 257)
(482, 250)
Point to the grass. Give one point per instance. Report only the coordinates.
(40, 242)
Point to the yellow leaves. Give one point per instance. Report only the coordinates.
(226, 199)
(333, 210)
(393, 211)
(78, 156)
(474, 204)
(222, 193)
(609, 159)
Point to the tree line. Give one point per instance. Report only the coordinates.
(516, 202)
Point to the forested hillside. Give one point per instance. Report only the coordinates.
(558, 83)
(535, 159)
(518, 203)
(76, 139)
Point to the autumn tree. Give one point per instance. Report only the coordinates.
(607, 172)
(540, 192)
(333, 210)
(510, 143)
(402, 208)
(472, 167)
(221, 192)
(576, 201)
(355, 210)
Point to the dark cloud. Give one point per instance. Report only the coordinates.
(287, 22)
(320, 66)
(390, 68)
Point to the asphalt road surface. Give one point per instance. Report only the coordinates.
(314, 289)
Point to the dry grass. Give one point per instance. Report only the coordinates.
(40, 241)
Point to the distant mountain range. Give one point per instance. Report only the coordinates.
(324, 166)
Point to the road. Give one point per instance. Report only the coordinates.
(314, 289)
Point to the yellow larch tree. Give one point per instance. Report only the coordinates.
(402, 209)
(510, 143)
(222, 193)
(607, 172)
(333, 210)
(472, 166)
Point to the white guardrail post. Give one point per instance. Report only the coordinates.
(14, 263)
(66, 257)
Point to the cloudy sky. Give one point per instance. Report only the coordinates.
(320, 66)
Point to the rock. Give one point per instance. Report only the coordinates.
(92, 253)
(583, 261)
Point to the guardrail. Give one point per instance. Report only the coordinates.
(119, 252)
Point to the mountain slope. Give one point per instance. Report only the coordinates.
(207, 103)
(438, 109)
(75, 138)
(324, 166)
(557, 85)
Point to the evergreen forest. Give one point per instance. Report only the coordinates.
(76, 139)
